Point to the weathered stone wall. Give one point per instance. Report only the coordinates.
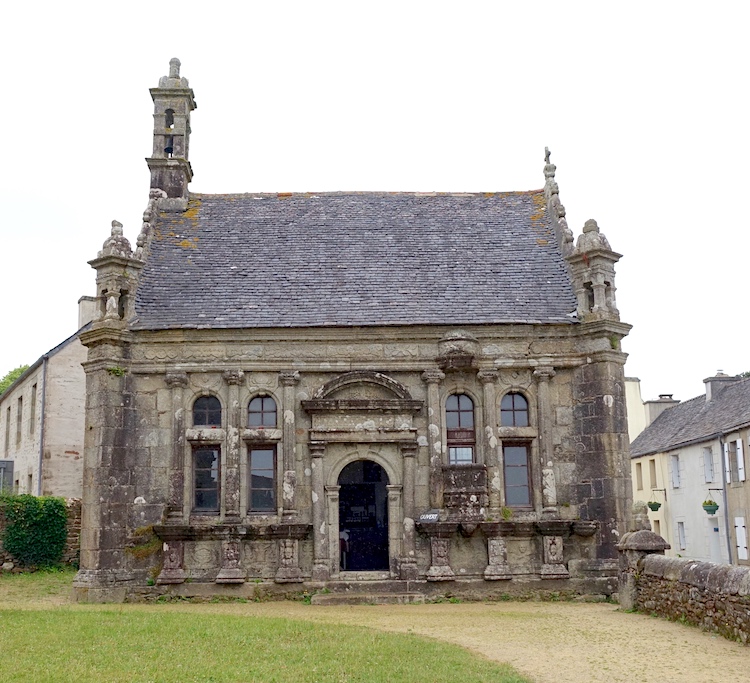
(715, 597)
(70, 554)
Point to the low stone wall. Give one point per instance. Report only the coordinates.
(71, 552)
(715, 597)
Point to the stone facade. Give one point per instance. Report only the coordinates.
(42, 424)
(472, 454)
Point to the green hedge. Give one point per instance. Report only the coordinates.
(35, 529)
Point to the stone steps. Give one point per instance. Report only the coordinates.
(367, 599)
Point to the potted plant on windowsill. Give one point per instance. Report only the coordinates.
(710, 506)
(653, 505)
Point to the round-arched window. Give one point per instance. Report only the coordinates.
(514, 411)
(261, 412)
(207, 412)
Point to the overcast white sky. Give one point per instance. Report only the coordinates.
(643, 105)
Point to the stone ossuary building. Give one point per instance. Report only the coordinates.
(314, 390)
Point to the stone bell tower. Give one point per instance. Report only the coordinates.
(169, 165)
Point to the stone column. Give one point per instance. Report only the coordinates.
(433, 378)
(394, 524)
(289, 380)
(543, 375)
(490, 443)
(408, 570)
(231, 478)
(177, 381)
(334, 542)
(321, 567)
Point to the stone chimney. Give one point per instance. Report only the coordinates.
(657, 407)
(717, 383)
(86, 310)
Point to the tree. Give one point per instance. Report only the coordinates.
(745, 374)
(11, 377)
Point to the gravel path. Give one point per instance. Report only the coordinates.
(552, 642)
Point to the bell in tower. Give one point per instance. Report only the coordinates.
(169, 164)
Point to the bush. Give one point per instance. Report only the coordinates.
(36, 529)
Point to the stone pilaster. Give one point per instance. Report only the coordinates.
(408, 569)
(231, 474)
(440, 535)
(177, 381)
(288, 571)
(289, 381)
(433, 378)
(553, 561)
(231, 571)
(395, 549)
(172, 569)
(321, 566)
(543, 375)
(490, 444)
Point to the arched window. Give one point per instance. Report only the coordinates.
(459, 422)
(169, 119)
(207, 412)
(261, 412)
(514, 411)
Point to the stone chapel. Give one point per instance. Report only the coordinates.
(416, 393)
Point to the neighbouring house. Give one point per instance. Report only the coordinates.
(695, 452)
(42, 420)
(308, 390)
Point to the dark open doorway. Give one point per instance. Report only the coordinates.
(363, 517)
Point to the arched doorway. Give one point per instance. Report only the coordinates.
(363, 517)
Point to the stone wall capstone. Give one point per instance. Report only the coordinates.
(715, 597)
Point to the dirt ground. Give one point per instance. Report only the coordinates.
(550, 642)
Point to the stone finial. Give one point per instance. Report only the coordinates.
(592, 238)
(116, 244)
(641, 521)
(173, 80)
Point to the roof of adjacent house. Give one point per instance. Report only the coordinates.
(354, 259)
(696, 420)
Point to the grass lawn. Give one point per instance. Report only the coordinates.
(44, 641)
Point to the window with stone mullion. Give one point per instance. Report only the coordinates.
(459, 422)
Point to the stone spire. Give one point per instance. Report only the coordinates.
(555, 207)
(169, 164)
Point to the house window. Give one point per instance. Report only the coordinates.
(206, 479)
(728, 469)
(708, 464)
(739, 460)
(261, 412)
(681, 535)
(207, 412)
(32, 410)
(262, 480)
(740, 533)
(514, 411)
(657, 527)
(638, 476)
(19, 420)
(652, 473)
(675, 461)
(459, 422)
(516, 469)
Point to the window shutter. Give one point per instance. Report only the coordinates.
(740, 461)
(727, 466)
(740, 532)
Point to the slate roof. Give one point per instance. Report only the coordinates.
(696, 420)
(354, 259)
